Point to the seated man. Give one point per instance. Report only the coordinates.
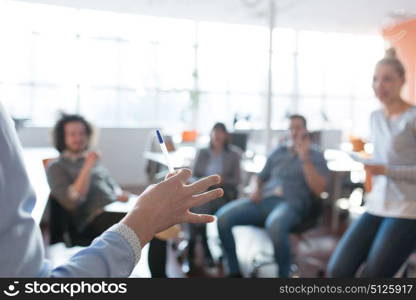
(78, 181)
(114, 253)
(294, 173)
(81, 184)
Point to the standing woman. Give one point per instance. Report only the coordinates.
(219, 158)
(385, 235)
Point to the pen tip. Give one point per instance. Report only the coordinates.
(159, 136)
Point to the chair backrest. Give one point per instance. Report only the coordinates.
(311, 220)
(46, 162)
(239, 139)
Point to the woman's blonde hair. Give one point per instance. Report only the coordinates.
(390, 58)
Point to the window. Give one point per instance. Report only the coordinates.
(326, 77)
(130, 70)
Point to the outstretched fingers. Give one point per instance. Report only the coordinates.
(183, 175)
(198, 218)
(203, 198)
(203, 184)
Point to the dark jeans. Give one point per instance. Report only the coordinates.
(157, 248)
(195, 230)
(157, 258)
(277, 215)
(383, 244)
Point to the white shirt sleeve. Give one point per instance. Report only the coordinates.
(405, 173)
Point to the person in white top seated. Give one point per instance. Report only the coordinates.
(385, 235)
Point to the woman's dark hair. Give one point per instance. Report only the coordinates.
(390, 58)
(299, 117)
(58, 134)
(223, 128)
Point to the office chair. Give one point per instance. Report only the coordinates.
(239, 139)
(409, 268)
(309, 222)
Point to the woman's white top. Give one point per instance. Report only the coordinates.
(394, 194)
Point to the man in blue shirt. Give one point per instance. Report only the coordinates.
(114, 253)
(294, 173)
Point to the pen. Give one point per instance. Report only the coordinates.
(165, 151)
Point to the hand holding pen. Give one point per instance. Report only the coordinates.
(165, 151)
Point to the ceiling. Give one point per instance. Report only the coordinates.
(353, 16)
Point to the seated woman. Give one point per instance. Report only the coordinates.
(385, 235)
(83, 186)
(219, 158)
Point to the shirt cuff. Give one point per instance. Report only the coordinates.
(130, 236)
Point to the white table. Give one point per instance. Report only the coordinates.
(34, 167)
(180, 158)
(121, 207)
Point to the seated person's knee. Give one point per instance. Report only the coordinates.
(276, 228)
(336, 270)
(223, 220)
